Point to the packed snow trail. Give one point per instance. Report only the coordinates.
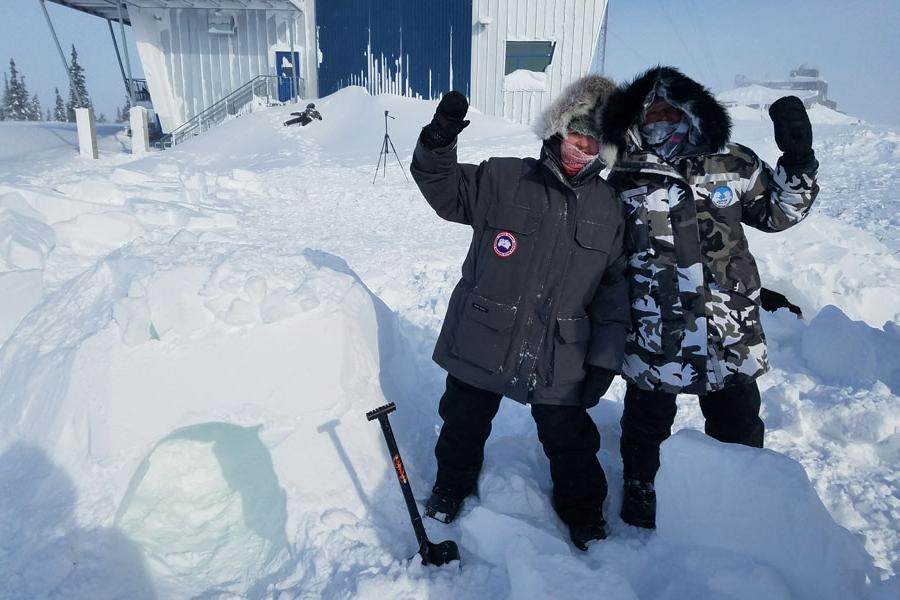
(190, 341)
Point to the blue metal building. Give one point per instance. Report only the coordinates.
(411, 47)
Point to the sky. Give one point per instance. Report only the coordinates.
(854, 43)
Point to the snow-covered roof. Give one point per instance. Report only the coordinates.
(758, 94)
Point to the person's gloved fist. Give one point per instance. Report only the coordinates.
(793, 131)
(448, 121)
(595, 384)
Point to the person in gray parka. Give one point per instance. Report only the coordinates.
(540, 312)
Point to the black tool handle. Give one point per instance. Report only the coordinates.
(381, 414)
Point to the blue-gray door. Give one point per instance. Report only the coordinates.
(284, 68)
(431, 39)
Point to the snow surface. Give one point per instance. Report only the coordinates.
(189, 342)
(523, 80)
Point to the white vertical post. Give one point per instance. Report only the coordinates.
(140, 134)
(87, 132)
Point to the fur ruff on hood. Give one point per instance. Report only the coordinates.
(624, 109)
(583, 97)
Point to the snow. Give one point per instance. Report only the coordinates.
(189, 341)
(523, 80)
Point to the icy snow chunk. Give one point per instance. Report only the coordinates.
(25, 241)
(19, 292)
(98, 191)
(759, 504)
(207, 510)
(89, 233)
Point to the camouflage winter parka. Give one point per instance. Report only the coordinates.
(695, 287)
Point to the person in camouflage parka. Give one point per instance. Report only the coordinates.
(694, 283)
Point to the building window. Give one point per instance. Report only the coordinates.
(530, 56)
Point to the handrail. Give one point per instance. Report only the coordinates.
(261, 86)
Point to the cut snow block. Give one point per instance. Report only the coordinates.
(207, 511)
(760, 504)
(140, 133)
(490, 534)
(87, 132)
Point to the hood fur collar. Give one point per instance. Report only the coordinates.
(583, 97)
(625, 107)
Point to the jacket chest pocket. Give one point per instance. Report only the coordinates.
(506, 251)
(594, 242)
(484, 332)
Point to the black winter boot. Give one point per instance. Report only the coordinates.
(442, 505)
(639, 504)
(585, 532)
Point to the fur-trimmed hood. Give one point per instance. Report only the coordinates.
(584, 97)
(624, 109)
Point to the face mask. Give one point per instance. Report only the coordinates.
(659, 132)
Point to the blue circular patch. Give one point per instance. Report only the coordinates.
(722, 196)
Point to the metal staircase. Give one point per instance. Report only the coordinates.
(260, 89)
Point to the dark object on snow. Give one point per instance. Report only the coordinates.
(772, 301)
(442, 506)
(383, 154)
(639, 503)
(306, 117)
(449, 120)
(432, 554)
(793, 132)
(585, 533)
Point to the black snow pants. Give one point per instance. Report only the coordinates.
(732, 415)
(567, 433)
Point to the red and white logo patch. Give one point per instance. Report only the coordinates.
(504, 244)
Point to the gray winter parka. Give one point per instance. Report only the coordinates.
(542, 290)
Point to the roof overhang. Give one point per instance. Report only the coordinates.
(109, 9)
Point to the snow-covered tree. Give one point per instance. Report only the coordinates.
(78, 94)
(101, 118)
(59, 108)
(16, 106)
(37, 114)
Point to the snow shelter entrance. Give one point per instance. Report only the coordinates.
(287, 80)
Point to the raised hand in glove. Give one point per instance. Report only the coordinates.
(448, 121)
(793, 132)
(595, 385)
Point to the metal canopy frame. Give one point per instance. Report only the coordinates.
(109, 10)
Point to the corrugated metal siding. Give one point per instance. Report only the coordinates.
(408, 47)
(188, 69)
(573, 24)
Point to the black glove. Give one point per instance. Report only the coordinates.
(448, 121)
(595, 385)
(793, 132)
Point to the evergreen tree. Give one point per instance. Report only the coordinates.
(78, 94)
(123, 113)
(47, 115)
(59, 108)
(3, 99)
(101, 118)
(16, 105)
(37, 114)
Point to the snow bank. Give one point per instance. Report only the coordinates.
(523, 80)
(25, 239)
(759, 504)
(863, 356)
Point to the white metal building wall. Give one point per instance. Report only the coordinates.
(188, 69)
(573, 24)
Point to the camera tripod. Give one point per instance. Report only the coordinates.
(386, 146)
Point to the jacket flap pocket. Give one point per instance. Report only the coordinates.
(596, 236)
(574, 330)
(498, 317)
(518, 219)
